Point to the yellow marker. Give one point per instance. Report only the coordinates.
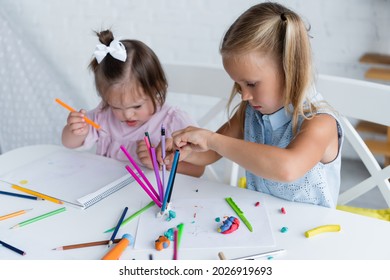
(321, 229)
(37, 194)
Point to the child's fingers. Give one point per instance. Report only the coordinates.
(143, 154)
(79, 128)
(75, 117)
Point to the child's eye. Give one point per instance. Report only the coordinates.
(250, 84)
(137, 107)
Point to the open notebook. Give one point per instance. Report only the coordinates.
(77, 178)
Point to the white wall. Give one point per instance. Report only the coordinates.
(190, 31)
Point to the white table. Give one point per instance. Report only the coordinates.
(360, 237)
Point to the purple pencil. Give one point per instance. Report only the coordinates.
(157, 173)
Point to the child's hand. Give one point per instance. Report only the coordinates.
(192, 139)
(77, 124)
(143, 154)
(169, 153)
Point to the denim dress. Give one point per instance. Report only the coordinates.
(319, 186)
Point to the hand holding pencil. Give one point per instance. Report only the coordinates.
(77, 121)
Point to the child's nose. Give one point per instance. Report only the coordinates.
(246, 95)
(128, 114)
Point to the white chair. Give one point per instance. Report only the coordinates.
(213, 86)
(360, 100)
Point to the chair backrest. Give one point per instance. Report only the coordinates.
(203, 82)
(361, 100)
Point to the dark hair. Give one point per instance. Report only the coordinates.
(142, 67)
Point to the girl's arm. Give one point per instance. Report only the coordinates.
(317, 141)
(198, 155)
(75, 131)
(190, 169)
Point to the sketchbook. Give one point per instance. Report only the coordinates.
(77, 178)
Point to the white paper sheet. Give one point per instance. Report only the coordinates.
(200, 226)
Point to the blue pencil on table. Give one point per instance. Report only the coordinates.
(171, 179)
(21, 195)
(12, 248)
(117, 226)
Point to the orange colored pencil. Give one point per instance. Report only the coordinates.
(41, 195)
(87, 120)
(14, 214)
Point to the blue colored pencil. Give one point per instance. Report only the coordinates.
(21, 195)
(117, 227)
(12, 248)
(171, 179)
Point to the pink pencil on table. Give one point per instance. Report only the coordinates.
(151, 189)
(143, 186)
(175, 244)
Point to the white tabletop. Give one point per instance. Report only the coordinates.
(360, 237)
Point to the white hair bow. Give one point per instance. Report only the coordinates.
(116, 49)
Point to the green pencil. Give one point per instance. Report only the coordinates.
(39, 217)
(180, 228)
(133, 216)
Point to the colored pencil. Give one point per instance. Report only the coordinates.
(83, 245)
(164, 168)
(32, 220)
(117, 226)
(21, 195)
(149, 143)
(175, 244)
(14, 214)
(41, 195)
(132, 161)
(87, 120)
(127, 220)
(180, 228)
(154, 198)
(170, 181)
(157, 174)
(256, 256)
(12, 248)
(174, 167)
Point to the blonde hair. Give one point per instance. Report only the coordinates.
(141, 67)
(272, 29)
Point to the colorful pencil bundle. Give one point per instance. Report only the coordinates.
(163, 194)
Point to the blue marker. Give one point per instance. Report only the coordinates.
(171, 180)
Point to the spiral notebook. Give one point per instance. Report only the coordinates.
(77, 178)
